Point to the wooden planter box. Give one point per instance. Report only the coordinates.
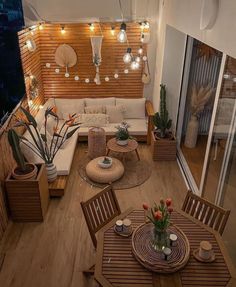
(28, 199)
(163, 149)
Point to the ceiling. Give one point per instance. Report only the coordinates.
(86, 11)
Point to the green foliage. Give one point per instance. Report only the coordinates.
(14, 141)
(122, 132)
(161, 119)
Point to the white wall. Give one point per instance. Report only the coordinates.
(184, 15)
(173, 61)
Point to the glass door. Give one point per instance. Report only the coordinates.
(200, 79)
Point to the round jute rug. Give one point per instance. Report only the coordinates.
(136, 173)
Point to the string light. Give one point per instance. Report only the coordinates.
(67, 75)
(140, 50)
(76, 78)
(116, 76)
(57, 71)
(86, 80)
(126, 71)
(112, 31)
(127, 56)
(144, 58)
(122, 36)
(40, 26)
(91, 27)
(48, 65)
(63, 31)
(107, 79)
(134, 65)
(137, 59)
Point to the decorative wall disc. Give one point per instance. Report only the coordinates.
(65, 56)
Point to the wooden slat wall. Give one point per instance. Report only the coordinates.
(78, 36)
(31, 65)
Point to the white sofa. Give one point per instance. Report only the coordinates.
(135, 113)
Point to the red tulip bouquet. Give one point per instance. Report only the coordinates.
(159, 215)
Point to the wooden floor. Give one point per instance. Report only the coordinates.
(55, 252)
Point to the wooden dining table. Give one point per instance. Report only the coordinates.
(116, 265)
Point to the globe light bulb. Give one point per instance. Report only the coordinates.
(57, 70)
(116, 76)
(67, 75)
(145, 58)
(86, 80)
(126, 71)
(122, 36)
(48, 65)
(226, 76)
(140, 50)
(137, 59)
(107, 79)
(134, 65)
(127, 56)
(76, 78)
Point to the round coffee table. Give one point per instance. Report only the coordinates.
(131, 146)
(104, 175)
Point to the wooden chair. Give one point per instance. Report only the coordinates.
(98, 211)
(208, 213)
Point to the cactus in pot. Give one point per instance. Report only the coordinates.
(23, 170)
(161, 119)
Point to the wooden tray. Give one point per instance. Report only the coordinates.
(154, 260)
(122, 233)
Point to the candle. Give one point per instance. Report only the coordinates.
(167, 252)
(119, 225)
(173, 239)
(127, 225)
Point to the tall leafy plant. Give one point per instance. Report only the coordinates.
(41, 143)
(161, 119)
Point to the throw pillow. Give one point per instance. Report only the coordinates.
(115, 113)
(95, 110)
(134, 108)
(93, 120)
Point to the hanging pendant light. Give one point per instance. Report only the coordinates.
(122, 36)
(127, 56)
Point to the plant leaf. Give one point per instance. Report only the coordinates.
(70, 134)
(29, 117)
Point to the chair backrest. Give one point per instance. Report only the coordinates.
(99, 210)
(208, 213)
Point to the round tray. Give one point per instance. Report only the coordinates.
(123, 233)
(154, 260)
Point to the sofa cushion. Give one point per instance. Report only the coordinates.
(95, 110)
(69, 106)
(100, 102)
(115, 113)
(134, 108)
(137, 127)
(93, 120)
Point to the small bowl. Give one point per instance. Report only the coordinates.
(105, 165)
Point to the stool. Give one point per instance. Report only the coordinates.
(96, 142)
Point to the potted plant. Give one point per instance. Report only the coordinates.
(44, 145)
(23, 170)
(122, 134)
(106, 162)
(163, 142)
(159, 215)
(199, 98)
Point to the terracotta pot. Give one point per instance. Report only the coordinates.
(51, 172)
(32, 174)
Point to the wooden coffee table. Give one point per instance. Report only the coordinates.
(131, 146)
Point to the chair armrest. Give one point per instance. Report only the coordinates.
(149, 108)
(150, 113)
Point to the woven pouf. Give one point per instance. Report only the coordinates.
(96, 142)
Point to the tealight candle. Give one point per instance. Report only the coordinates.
(119, 225)
(127, 225)
(173, 239)
(167, 252)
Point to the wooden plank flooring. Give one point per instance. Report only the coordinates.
(55, 252)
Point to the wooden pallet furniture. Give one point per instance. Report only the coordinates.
(28, 199)
(57, 187)
(116, 265)
(208, 213)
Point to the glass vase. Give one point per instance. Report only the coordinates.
(159, 239)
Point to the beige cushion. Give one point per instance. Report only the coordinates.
(95, 110)
(115, 113)
(100, 102)
(40, 115)
(134, 108)
(69, 106)
(93, 120)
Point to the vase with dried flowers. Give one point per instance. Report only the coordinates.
(43, 144)
(159, 215)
